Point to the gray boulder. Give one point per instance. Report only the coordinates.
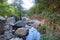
(20, 23)
(11, 21)
(21, 32)
(2, 18)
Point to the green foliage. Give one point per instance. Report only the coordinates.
(42, 29)
(17, 4)
(8, 9)
(49, 10)
(52, 37)
(54, 16)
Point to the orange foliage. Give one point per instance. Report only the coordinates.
(45, 21)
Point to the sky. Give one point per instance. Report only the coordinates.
(27, 3)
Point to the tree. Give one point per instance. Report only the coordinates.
(6, 9)
(17, 4)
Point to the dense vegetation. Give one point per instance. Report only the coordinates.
(9, 9)
(50, 9)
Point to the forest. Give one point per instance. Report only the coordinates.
(46, 11)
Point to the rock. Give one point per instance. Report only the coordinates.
(27, 27)
(8, 31)
(21, 32)
(2, 18)
(25, 19)
(34, 23)
(8, 35)
(20, 23)
(1, 29)
(2, 37)
(8, 28)
(2, 24)
(16, 38)
(11, 21)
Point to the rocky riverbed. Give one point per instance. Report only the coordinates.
(24, 29)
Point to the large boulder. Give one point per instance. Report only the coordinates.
(21, 32)
(19, 24)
